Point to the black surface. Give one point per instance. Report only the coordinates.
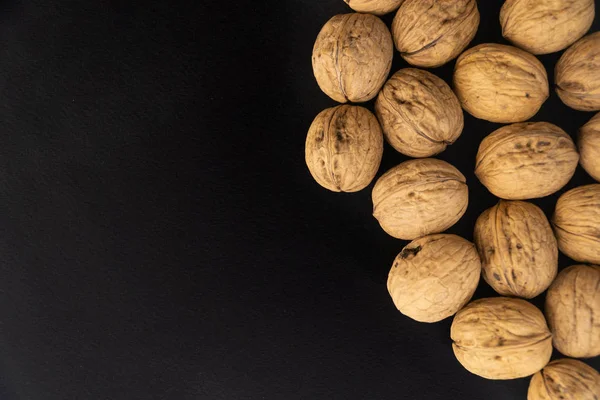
(160, 235)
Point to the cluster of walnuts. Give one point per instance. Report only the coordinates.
(515, 247)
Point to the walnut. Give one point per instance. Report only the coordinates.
(344, 146)
(589, 147)
(419, 113)
(573, 311)
(565, 379)
(526, 160)
(429, 33)
(500, 83)
(352, 57)
(501, 338)
(545, 26)
(518, 250)
(377, 7)
(419, 197)
(434, 276)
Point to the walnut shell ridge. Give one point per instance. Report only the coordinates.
(589, 147)
(376, 7)
(565, 379)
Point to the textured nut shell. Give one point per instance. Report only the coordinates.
(545, 26)
(429, 33)
(344, 146)
(526, 160)
(419, 113)
(501, 338)
(573, 311)
(519, 255)
(565, 379)
(434, 276)
(352, 57)
(500, 83)
(377, 7)
(589, 147)
(419, 197)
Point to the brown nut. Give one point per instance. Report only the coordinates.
(500, 83)
(526, 160)
(501, 338)
(519, 255)
(352, 57)
(419, 113)
(429, 33)
(377, 7)
(573, 311)
(589, 147)
(565, 379)
(419, 197)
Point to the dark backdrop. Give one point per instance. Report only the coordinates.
(160, 235)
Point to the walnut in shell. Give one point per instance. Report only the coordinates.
(589, 147)
(429, 33)
(419, 113)
(526, 160)
(352, 57)
(419, 197)
(501, 338)
(500, 83)
(565, 379)
(573, 311)
(377, 7)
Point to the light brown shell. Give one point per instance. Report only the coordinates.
(419, 113)
(419, 197)
(434, 276)
(589, 147)
(500, 83)
(576, 74)
(429, 33)
(344, 146)
(526, 160)
(565, 379)
(352, 57)
(501, 338)
(519, 255)
(545, 26)
(573, 311)
(377, 7)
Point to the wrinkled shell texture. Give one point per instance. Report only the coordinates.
(419, 113)
(589, 147)
(519, 255)
(526, 160)
(419, 197)
(573, 311)
(377, 7)
(565, 379)
(352, 57)
(344, 147)
(500, 83)
(546, 26)
(576, 223)
(429, 33)
(434, 276)
(501, 338)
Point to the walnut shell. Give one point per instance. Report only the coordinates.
(352, 57)
(501, 338)
(589, 147)
(419, 113)
(576, 74)
(344, 147)
(519, 255)
(576, 223)
(377, 7)
(500, 83)
(526, 160)
(565, 379)
(573, 311)
(419, 197)
(545, 26)
(434, 276)
(429, 33)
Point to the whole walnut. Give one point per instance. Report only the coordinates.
(573, 311)
(352, 57)
(526, 160)
(576, 74)
(565, 379)
(500, 83)
(377, 7)
(519, 255)
(434, 276)
(545, 26)
(419, 197)
(589, 147)
(344, 147)
(501, 338)
(576, 223)
(429, 33)
(419, 113)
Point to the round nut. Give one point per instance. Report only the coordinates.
(565, 379)
(589, 147)
(377, 7)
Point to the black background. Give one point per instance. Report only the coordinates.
(160, 235)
